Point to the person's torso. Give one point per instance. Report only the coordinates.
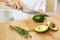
(32, 4)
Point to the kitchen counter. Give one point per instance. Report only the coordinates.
(29, 24)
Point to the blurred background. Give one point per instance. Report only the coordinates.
(52, 6)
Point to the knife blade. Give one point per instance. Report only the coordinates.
(26, 10)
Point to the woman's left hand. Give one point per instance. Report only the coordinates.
(40, 10)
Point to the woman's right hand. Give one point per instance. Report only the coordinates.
(16, 4)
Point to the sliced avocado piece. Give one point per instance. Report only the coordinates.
(51, 25)
(41, 28)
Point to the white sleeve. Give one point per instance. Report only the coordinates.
(43, 5)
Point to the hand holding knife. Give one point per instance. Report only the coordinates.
(25, 9)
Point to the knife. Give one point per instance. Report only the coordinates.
(27, 10)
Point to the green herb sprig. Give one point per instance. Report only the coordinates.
(20, 31)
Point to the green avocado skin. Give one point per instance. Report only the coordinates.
(38, 18)
(41, 31)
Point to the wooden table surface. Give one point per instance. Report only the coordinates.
(29, 24)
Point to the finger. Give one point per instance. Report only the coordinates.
(11, 3)
(41, 11)
(18, 6)
(23, 5)
(19, 3)
(14, 6)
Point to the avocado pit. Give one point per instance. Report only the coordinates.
(52, 24)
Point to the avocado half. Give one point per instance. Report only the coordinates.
(52, 28)
(41, 28)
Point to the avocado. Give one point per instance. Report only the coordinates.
(41, 28)
(51, 25)
(38, 18)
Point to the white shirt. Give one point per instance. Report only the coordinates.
(33, 5)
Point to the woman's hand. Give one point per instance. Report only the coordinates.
(16, 4)
(40, 10)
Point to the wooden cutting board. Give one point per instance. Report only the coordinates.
(29, 25)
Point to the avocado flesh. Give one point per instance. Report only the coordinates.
(52, 28)
(55, 28)
(41, 28)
